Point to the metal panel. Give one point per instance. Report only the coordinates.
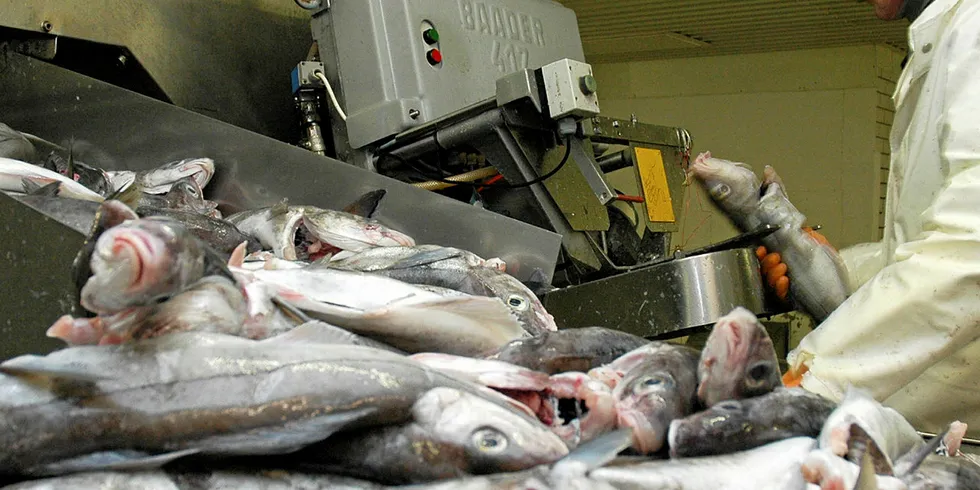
(119, 129)
(375, 55)
(664, 298)
(228, 59)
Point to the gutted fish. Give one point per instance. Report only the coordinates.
(738, 360)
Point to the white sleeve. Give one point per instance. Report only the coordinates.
(862, 262)
(926, 305)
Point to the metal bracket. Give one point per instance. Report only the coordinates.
(586, 163)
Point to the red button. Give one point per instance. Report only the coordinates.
(434, 57)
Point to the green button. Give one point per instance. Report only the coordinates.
(431, 36)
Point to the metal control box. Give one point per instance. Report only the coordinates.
(570, 89)
(397, 64)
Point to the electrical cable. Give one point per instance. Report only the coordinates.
(538, 180)
(472, 175)
(333, 97)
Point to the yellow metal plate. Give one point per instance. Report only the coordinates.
(656, 193)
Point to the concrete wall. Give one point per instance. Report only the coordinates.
(816, 116)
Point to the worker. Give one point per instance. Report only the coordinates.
(909, 332)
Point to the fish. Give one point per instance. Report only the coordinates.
(16, 174)
(15, 145)
(159, 180)
(738, 425)
(577, 349)
(821, 283)
(574, 406)
(456, 269)
(93, 178)
(215, 395)
(394, 312)
(612, 373)
(274, 227)
(656, 391)
(451, 434)
(140, 261)
(325, 333)
(738, 360)
(887, 428)
(196, 479)
(77, 214)
(346, 231)
(829, 471)
(221, 235)
(774, 466)
(184, 195)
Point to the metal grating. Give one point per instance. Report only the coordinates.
(627, 30)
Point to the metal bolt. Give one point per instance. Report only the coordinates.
(633, 118)
(603, 196)
(414, 113)
(615, 124)
(123, 59)
(927, 48)
(46, 26)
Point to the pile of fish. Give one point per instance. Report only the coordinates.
(293, 347)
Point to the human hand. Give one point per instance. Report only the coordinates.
(775, 271)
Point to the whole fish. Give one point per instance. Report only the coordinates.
(346, 231)
(454, 269)
(738, 360)
(221, 235)
(14, 174)
(140, 261)
(95, 179)
(612, 373)
(820, 279)
(574, 406)
(738, 425)
(577, 349)
(452, 434)
(774, 466)
(656, 391)
(159, 180)
(274, 227)
(184, 195)
(195, 480)
(15, 145)
(77, 214)
(887, 428)
(396, 313)
(142, 404)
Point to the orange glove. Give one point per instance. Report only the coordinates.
(775, 270)
(793, 379)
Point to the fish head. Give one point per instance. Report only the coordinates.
(185, 192)
(351, 232)
(709, 430)
(523, 303)
(493, 439)
(733, 186)
(159, 180)
(583, 408)
(646, 402)
(738, 360)
(135, 261)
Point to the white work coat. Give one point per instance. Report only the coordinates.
(909, 333)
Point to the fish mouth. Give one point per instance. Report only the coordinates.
(583, 408)
(647, 436)
(307, 246)
(139, 249)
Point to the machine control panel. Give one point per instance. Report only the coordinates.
(570, 89)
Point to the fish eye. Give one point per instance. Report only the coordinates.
(655, 381)
(729, 406)
(489, 441)
(517, 302)
(758, 374)
(721, 191)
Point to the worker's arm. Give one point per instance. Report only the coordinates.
(926, 304)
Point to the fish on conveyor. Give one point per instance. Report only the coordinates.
(452, 434)
(159, 180)
(95, 179)
(184, 195)
(738, 425)
(774, 466)
(820, 280)
(456, 269)
(221, 235)
(15, 145)
(139, 261)
(141, 404)
(15, 175)
(196, 480)
(393, 312)
(656, 391)
(574, 406)
(576, 349)
(612, 373)
(738, 360)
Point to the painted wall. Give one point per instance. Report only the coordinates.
(817, 116)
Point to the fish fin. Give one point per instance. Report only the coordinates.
(71, 158)
(866, 479)
(282, 439)
(110, 461)
(911, 461)
(281, 207)
(595, 453)
(290, 310)
(860, 444)
(237, 258)
(366, 205)
(31, 365)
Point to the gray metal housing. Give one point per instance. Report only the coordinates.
(375, 56)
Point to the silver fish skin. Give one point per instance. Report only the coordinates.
(161, 179)
(738, 360)
(13, 173)
(733, 187)
(819, 279)
(656, 391)
(221, 235)
(15, 145)
(452, 434)
(408, 257)
(774, 466)
(576, 349)
(612, 373)
(890, 431)
(738, 425)
(214, 394)
(138, 261)
(350, 232)
(195, 480)
(274, 227)
(396, 313)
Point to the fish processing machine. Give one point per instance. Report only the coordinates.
(425, 98)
